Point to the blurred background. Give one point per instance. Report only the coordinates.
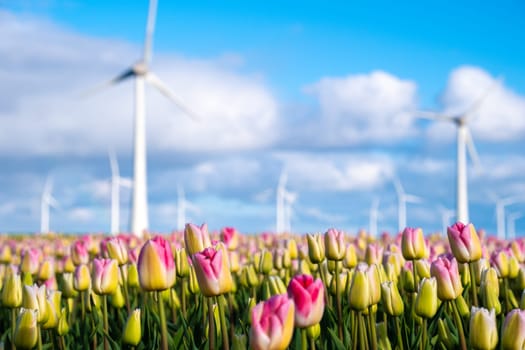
(325, 96)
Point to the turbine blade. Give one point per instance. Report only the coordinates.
(473, 153)
(48, 186)
(52, 201)
(156, 82)
(128, 73)
(410, 198)
(150, 29)
(434, 116)
(400, 191)
(479, 102)
(125, 182)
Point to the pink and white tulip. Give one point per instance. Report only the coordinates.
(464, 242)
(213, 270)
(447, 276)
(308, 297)
(156, 266)
(105, 276)
(272, 323)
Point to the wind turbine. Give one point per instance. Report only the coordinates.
(288, 201)
(446, 216)
(402, 200)
(511, 224)
(372, 227)
(501, 203)
(47, 200)
(464, 143)
(116, 182)
(141, 72)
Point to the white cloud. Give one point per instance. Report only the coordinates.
(82, 214)
(365, 108)
(501, 116)
(44, 68)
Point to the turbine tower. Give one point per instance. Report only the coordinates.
(402, 200)
(142, 74)
(372, 226)
(511, 224)
(288, 201)
(47, 200)
(464, 142)
(116, 182)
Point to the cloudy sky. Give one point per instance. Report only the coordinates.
(327, 92)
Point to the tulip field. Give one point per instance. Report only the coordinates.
(228, 290)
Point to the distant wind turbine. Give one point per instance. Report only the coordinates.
(288, 211)
(511, 224)
(116, 182)
(46, 201)
(446, 216)
(373, 217)
(141, 72)
(402, 200)
(501, 203)
(464, 143)
(284, 202)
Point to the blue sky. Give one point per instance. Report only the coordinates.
(326, 90)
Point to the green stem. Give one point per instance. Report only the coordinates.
(459, 324)
(13, 327)
(183, 297)
(304, 340)
(323, 278)
(83, 304)
(312, 344)
(106, 323)
(362, 332)
(355, 327)
(506, 294)
(372, 327)
(474, 286)
(163, 323)
(126, 292)
(224, 329)
(62, 342)
(39, 337)
(231, 316)
(416, 277)
(424, 334)
(338, 301)
(398, 333)
(211, 325)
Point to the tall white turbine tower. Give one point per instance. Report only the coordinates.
(402, 200)
(511, 224)
(501, 203)
(141, 72)
(116, 182)
(288, 202)
(181, 208)
(464, 143)
(374, 214)
(46, 201)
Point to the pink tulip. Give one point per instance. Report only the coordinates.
(79, 252)
(213, 271)
(196, 238)
(413, 243)
(105, 276)
(116, 249)
(31, 259)
(156, 266)
(447, 276)
(308, 297)
(373, 254)
(272, 323)
(230, 237)
(464, 242)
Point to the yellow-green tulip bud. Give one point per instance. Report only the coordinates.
(181, 263)
(316, 249)
(117, 298)
(133, 276)
(483, 329)
(374, 282)
(392, 301)
(445, 335)
(359, 296)
(422, 268)
(34, 297)
(413, 243)
(82, 278)
(314, 332)
(196, 238)
(463, 307)
(67, 285)
(12, 291)
(117, 250)
(291, 246)
(343, 280)
(174, 300)
(26, 331)
(303, 268)
(194, 283)
(334, 243)
(47, 269)
(63, 326)
(5, 254)
(234, 261)
(350, 259)
(132, 333)
(276, 285)
(266, 264)
(407, 279)
(489, 290)
(427, 299)
(382, 333)
(513, 335)
(53, 316)
(239, 342)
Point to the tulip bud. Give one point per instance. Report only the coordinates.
(79, 253)
(483, 330)
(407, 278)
(422, 268)
(156, 266)
(81, 278)
(53, 316)
(426, 300)
(350, 259)
(313, 332)
(489, 290)
(462, 305)
(212, 270)
(117, 250)
(5, 254)
(181, 262)
(194, 283)
(374, 282)
(445, 334)
(373, 254)
(266, 263)
(291, 246)
(392, 301)
(105, 276)
(30, 261)
(447, 276)
(47, 269)
(63, 326)
(132, 333)
(133, 276)
(196, 238)
(26, 330)
(334, 242)
(250, 276)
(67, 285)
(464, 242)
(272, 323)
(413, 243)
(513, 335)
(239, 342)
(276, 285)
(117, 298)
(12, 291)
(68, 264)
(34, 297)
(316, 249)
(230, 237)
(343, 281)
(359, 294)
